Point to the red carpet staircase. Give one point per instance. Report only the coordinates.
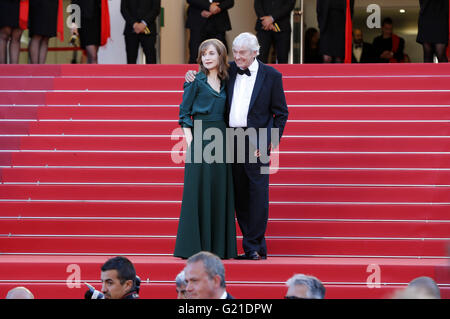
(361, 199)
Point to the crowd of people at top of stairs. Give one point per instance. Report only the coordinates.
(210, 19)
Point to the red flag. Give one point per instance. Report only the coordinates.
(60, 22)
(23, 14)
(105, 24)
(348, 34)
(395, 47)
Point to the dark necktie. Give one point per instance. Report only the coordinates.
(242, 72)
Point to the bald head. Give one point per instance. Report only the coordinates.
(357, 36)
(19, 293)
(427, 285)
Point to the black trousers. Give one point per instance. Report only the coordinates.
(197, 36)
(280, 40)
(251, 195)
(148, 42)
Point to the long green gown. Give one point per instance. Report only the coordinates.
(207, 220)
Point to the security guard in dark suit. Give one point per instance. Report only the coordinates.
(273, 26)
(207, 19)
(140, 28)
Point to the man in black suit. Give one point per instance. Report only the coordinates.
(256, 104)
(273, 26)
(362, 51)
(207, 19)
(388, 46)
(140, 28)
(205, 277)
(332, 20)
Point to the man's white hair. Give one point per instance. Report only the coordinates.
(19, 293)
(247, 40)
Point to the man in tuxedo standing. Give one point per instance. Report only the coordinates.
(140, 28)
(362, 51)
(256, 101)
(207, 19)
(273, 26)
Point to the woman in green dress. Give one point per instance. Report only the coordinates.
(207, 221)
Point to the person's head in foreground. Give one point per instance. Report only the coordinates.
(304, 287)
(118, 278)
(180, 282)
(419, 288)
(19, 293)
(205, 276)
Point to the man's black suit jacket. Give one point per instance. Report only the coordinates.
(137, 10)
(323, 7)
(280, 10)
(367, 56)
(216, 23)
(268, 108)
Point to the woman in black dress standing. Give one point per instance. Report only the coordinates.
(331, 15)
(43, 26)
(10, 31)
(207, 217)
(94, 29)
(312, 45)
(433, 29)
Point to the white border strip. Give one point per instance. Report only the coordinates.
(91, 105)
(181, 91)
(171, 255)
(181, 152)
(85, 120)
(289, 105)
(176, 121)
(180, 136)
(231, 282)
(92, 77)
(39, 183)
(92, 91)
(275, 220)
(238, 237)
(29, 200)
(183, 77)
(182, 167)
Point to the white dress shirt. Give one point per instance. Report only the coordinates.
(357, 51)
(224, 295)
(242, 94)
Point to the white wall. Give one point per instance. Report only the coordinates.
(243, 19)
(114, 51)
(173, 34)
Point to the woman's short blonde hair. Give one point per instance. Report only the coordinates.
(223, 57)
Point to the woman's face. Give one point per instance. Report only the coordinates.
(210, 58)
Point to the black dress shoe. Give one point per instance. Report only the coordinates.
(254, 256)
(251, 256)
